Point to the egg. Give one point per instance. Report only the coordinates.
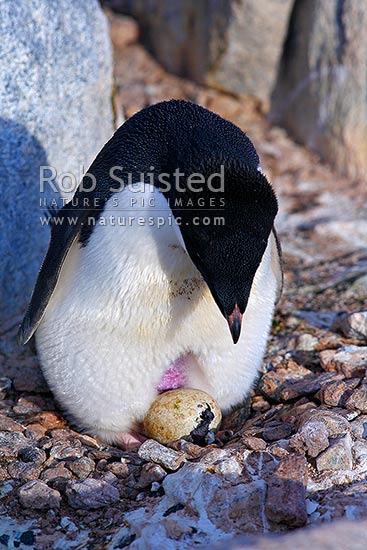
(182, 413)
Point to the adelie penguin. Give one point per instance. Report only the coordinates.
(183, 293)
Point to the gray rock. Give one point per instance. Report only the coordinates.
(352, 325)
(232, 45)
(320, 96)
(359, 427)
(36, 494)
(152, 451)
(55, 109)
(91, 494)
(307, 342)
(338, 456)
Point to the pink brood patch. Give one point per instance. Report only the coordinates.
(174, 377)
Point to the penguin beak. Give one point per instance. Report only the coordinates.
(234, 322)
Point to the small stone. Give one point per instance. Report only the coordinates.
(286, 493)
(277, 430)
(259, 404)
(26, 407)
(253, 443)
(358, 399)
(119, 469)
(150, 473)
(338, 456)
(50, 420)
(336, 393)
(36, 494)
(360, 455)
(152, 451)
(5, 386)
(32, 454)
(312, 438)
(9, 425)
(23, 471)
(352, 325)
(10, 444)
(58, 471)
(307, 342)
(35, 431)
(189, 449)
(91, 494)
(359, 427)
(82, 467)
(89, 441)
(348, 360)
(289, 372)
(65, 451)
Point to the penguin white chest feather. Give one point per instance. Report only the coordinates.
(129, 304)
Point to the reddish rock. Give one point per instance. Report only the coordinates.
(286, 493)
(349, 360)
(358, 399)
(253, 443)
(337, 392)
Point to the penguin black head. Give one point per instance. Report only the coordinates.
(226, 241)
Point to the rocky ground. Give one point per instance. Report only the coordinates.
(295, 454)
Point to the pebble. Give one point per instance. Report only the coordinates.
(150, 473)
(253, 443)
(82, 467)
(359, 427)
(189, 449)
(336, 393)
(9, 425)
(348, 360)
(288, 372)
(120, 469)
(152, 451)
(32, 454)
(358, 399)
(352, 325)
(58, 472)
(36, 494)
(307, 342)
(91, 494)
(10, 445)
(338, 456)
(64, 452)
(23, 471)
(277, 430)
(286, 493)
(312, 438)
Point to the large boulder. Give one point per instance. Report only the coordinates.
(320, 96)
(55, 109)
(234, 45)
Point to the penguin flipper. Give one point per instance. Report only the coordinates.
(276, 262)
(62, 238)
